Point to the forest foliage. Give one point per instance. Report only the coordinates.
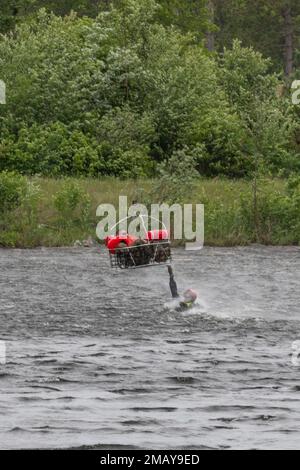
(121, 88)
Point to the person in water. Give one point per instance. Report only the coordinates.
(189, 296)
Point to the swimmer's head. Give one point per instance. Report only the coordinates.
(190, 296)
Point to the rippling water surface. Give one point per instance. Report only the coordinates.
(97, 358)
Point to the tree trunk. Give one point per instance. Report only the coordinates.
(210, 35)
(288, 30)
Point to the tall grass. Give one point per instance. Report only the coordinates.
(228, 216)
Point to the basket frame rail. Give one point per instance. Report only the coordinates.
(158, 253)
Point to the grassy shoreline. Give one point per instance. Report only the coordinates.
(228, 216)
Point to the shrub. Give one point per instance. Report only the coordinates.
(18, 205)
(13, 188)
(72, 204)
(276, 218)
(176, 178)
(51, 150)
(125, 140)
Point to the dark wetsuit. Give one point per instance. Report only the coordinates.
(173, 285)
(174, 291)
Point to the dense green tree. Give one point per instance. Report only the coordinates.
(268, 119)
(270, 26)
(14, 11)
(187, 15)
(130, 92)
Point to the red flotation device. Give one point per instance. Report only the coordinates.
(112, 243)
(155, 235)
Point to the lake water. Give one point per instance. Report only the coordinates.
(101, 359)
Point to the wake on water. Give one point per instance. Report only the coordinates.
(199, 308)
